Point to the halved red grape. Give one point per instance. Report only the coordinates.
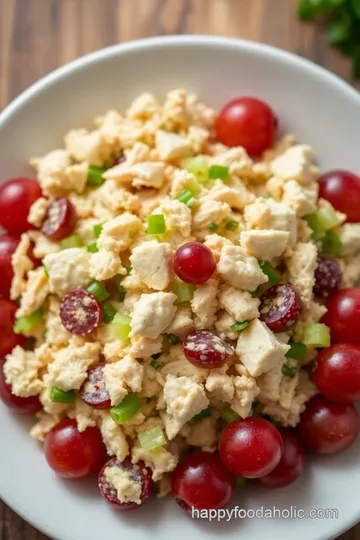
(206, 349)
(342, 189)
(15, 403)
(81, 312)
(327, 427)
(136, 473)
(60, 219)
(9, 339)
(343, 315)
(327, 276)
(280, 307)
(202, 481)
(72, 454)
(93, 391)
(16, 197)
(194, 263)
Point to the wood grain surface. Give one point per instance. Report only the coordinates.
(37, 36)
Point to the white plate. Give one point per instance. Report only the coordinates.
(322, 111)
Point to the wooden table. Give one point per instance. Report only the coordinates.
(37, 36)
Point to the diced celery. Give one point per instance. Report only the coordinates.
(130, 405)
(155, 364)
(199, 168)
(95, 176)
(219, 172)
(198, 417)
(184, 291)
(61, 396)
(213, 227)
(72, 241)
(186, 197)
(152, 438)
(331, 244)
(270, 272)
(231, 225)
(109, 312)
(172, 339)
(240, 481)
(29, 322)
(239, 326)
(92, 248)
(45, 271)
(297, 351)
(97, 289)
(193, 186)
(156, 224)
(322, 220)
(97, 229)
(121, 327)
(229, 415)
(289, 371)
(317, 335)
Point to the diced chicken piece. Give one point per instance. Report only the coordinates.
(21, 264)
(294, 164)
(184, 399)
(150, 386)
(350, 271)
(151, 262)
(172, 146)
(182, 324)
(160, 462)
(68, 270)
(350, 238)
(269, 214)
(304, 231)
(239, 269)
(299, 198)
(105, 265)
(115, 198)
(237, 159)
(145, 174)
(264, 245)
(310, 314)
(223, 325)
(37, 289)
(236, 196)
(143, 347)
(181, 367)
(22, 370)
(177, 216)
(240, 304)
(42, 245)
(269, 384)
(179, 179)
(90, 146)
(215, 243)
(203, 435)
(114, 350)
(204, 304)
(301, 267)
(246, 391)
(176, 113)
(57, 175)
(134, 286)
(56, 334)
(220, 385)
(128, 372)
(45, 423)
(38, 211)
(143, 107)
(119, 233)
(199, 138)
(153, 314)
(280, 146)
(206, 213)
(258, 348)
(114, 437)
(84, 415)
(69, 369)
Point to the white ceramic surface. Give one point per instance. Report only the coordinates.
(322, 111)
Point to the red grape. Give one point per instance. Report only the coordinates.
(201, 481)
(247, 122)
(72, 454)
(280, 307)
(9, 339)
(327, 427)
(81, 312)
(16, 197)
(327, 276)
(60, 219)
(206, 349)
(17, 404)
(342, 189)
(251, 447)
(93, 391)
(8, 245)
(194, 263)
(343, 316)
